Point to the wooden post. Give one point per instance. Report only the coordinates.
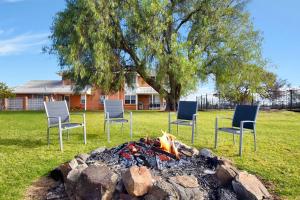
(5, 104)
(25, 103)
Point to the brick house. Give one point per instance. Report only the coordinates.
(30, 96)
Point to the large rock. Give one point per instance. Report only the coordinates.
(206, 153)
(96, 182)
(67, 167)
(248, 187)
(81, 158)
(184, 191)
(186, 181)
(225, 173)
(72, 179)
(137, 180)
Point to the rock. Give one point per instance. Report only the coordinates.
(99, 150)
(81, 158)
(67, 167)
(186, 192)
(96, 182)
(72, 179)
(224, 161)
(137, 180)
(248, 187)
(156, 193)
(163, 189)
(226, 194)
(206, 153)
(167, 188)
(186, 181)
(225, 173)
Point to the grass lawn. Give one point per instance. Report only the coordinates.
(25, 156)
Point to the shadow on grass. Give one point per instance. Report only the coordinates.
(27, 143)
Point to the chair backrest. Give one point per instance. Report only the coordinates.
(243, 113)
(114, 108)
(186, 109)
(57, 109)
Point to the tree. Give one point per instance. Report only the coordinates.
(241, 84)
(276, 92)
(5, 92)
(104, 42)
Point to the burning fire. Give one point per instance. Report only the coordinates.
(167, 144)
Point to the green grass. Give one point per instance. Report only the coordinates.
(25, 156)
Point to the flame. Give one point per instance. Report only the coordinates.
(167, 143)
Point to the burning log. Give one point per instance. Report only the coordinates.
(167, 144)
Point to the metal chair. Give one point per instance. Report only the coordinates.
(244, 119)
(186, 116)
(114, 113)
(58, 116)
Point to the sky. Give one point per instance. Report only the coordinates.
(25, 27)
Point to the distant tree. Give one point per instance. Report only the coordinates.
(5, 92)
(103, 42)
(240, 84)
(277, 91)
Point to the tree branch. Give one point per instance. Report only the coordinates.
(187, 18)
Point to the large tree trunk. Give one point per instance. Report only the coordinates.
(172, 102)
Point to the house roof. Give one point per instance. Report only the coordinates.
(47, 87)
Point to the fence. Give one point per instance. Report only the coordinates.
(22, 103)
(36, 104)
(286, 99)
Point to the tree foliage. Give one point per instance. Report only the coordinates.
(241, 83)
(5, 92)
(103, 42)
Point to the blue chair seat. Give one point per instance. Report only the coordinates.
(118, 120)
(182, 122)
(71, 125)
(230, 130)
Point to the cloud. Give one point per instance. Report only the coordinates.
(27, 42)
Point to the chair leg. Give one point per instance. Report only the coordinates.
(241, 142)
(104, 125)
(48, 136)
(60, 139)
(254, 135)
(196, 128)
(108, 132)
(84, 134)
(216, 133)
(193, 131)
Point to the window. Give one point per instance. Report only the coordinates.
(82, 99)
(101, 99)
(130, 99)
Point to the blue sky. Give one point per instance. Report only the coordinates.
(25, 25)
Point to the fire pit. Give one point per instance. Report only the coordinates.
(150, 169)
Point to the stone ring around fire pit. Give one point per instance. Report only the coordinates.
(144, 170)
